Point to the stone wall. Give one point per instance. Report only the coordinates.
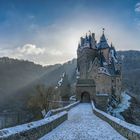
(130, 131)
(85, 85)
(118, 87)
(66, 108)
(103, 83)
(101, 101)
(88, 89)
(33, 130)
(84, 58)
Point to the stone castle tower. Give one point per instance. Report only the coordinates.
(98, 72)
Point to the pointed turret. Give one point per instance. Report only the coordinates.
(102, 38)
(103, 42)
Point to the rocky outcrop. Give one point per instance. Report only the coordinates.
(132, 114)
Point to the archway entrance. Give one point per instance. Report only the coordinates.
(85, 97)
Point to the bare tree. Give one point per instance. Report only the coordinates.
(41, 100)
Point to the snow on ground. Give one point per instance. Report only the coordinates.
(61, 80)
(82, 124)
(73, 98)
(125, 103)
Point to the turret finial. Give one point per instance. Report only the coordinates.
(103, 30)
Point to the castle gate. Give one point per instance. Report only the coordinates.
(85, 90)
(85, 97)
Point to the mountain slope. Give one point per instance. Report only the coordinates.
(131, 72)
(19, 78)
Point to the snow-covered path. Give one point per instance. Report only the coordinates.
(82, 124)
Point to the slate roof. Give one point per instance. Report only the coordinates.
(103, 43)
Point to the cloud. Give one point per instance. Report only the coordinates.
(30, 49)
(31, 52)
(65, 34)
(57, 42)
(137, 7)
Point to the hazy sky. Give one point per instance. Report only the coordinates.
(48, 31)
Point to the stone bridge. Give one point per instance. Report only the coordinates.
(80, 121)
(83, 124)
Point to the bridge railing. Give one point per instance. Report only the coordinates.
(130, 131)
(36, 129)
(33, 130)
(66, 108)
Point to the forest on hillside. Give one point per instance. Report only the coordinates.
(19, 78)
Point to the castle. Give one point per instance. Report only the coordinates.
(98, 72)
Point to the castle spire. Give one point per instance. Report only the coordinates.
(103, 42)
(103, 39)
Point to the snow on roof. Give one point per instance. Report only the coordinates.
(103, 70)
(112, 52)
(103, 43)
(102, 94)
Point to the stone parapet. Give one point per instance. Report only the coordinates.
(66, 108)
(35, 130)
(130, 131)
